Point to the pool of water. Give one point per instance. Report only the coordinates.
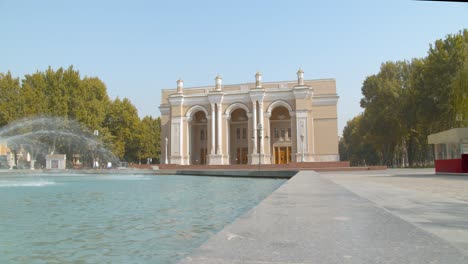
(118, 219)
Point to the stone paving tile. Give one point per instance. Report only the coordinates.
(424, 180)
(428, 201)
(311, 219)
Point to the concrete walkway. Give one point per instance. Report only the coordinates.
(436, 203)
(311, 219)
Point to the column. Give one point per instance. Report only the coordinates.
(262, 134)
(189, 141)
(302, 130)
(176, 140)
(254, 127)
(249, 137)
(227, 146)
(220, 135)
(181, 144)
(213, 132)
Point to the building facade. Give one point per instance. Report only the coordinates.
(250, 123)
(450, 150)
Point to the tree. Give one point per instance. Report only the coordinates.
(150, 138)
(10, 99)
(355, 146)
(406, 101)
(382, 102)
(121, 120)
(443, 63)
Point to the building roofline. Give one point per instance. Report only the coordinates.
(247, 83)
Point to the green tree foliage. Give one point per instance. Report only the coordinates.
(408, 100)
(10, 99)
(64, 93)
(122, 121)
(149, 139)
(354, 148)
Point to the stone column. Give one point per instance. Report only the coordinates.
(219, 132)
(189, 141)
(182, 139)
(254, 127)
(213, 132)
(302, 139)
(176, 140)
(262, 134)
(250, 133)
(208, 135)
(227, 146)
(267, 146)
(294, 133)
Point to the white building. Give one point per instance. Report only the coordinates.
(270, 123)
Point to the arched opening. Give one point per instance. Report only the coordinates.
(280, 131)
(198, 138)
(238, 137)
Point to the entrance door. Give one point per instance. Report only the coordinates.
(242, 155)
(282, 155)
(203, 153)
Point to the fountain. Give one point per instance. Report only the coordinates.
(42, 136)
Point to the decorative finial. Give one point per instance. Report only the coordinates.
(218, 82)
(258, 80)
(180, 85)
(300, 76)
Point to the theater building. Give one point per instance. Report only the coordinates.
(250, 123)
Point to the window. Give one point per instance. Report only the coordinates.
(283, 132)
(244, 133)
(276, 132)
(202, 134)
(238, 133)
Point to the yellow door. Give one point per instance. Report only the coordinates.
(244, 155)
(203, 156)
(282, 156)
(277, 155)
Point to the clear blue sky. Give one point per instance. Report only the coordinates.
(140, 47)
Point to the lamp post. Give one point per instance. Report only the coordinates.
(165, 155)
(302, 143)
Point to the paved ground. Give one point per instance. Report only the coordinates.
(436, 203)
(345, 218)
(422, 180)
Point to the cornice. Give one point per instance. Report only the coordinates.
(302, 92)
(245, 97)
(215, 97)
(211, 87)
(165, 109)
(302, 113)
(325, 100)
(176, 99)
(257, 94)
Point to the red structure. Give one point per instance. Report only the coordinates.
(450, 150)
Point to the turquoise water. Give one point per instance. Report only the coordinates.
(118, 219)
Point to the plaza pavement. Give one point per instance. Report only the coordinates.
(435, 203)
(391, 216)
